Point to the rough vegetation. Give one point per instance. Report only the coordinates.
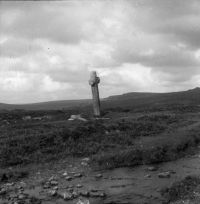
(130, 137)
(12, 175)
(112, 143)
(186, 189)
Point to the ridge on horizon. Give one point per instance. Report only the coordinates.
(131, 98)
(85, 99)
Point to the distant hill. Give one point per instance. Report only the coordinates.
(133, 99)
(51, 105)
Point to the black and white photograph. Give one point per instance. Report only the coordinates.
(100, 102)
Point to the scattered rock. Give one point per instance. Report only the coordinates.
(78, 175)
(102, 195)
(79, 186)
(45, 186)
(65, 174)
(20, 188)
(67, 196)
(94, 194)
(55, 188)
(68, 178)
(84, 163)
(77, 117)
(53, 192)
(75, 194)
(85, 193)
(53, 183)
(21, 196)
(164, 175)
(34, 200)
(3, 191)
(13, 196)
(99, 176)
(152, 168)
(97, 194)
(52, 178)
(10, 184)
(172, 172)
(87, 159)
(81, 201)
(94, 190)
(147, 176)
(71, 190)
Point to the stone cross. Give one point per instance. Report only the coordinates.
(94, 81)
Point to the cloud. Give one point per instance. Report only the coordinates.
(46, 21)
(13, 47)
(176, 20)
(47, 49)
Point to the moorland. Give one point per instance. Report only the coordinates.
(138, 132)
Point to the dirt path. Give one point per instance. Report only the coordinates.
(123, 185)
(136, 185)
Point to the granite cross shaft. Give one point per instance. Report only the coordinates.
(94, 81)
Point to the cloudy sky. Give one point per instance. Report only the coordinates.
(47, 49)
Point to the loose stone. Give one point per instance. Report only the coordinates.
(68, 178)
(78, 175)
(53, 183)
(152, 168)
(67, 196)
(164, 175)
(53, 192)
(79, 186)
(99, 176)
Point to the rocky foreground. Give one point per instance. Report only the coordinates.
(75, 182)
